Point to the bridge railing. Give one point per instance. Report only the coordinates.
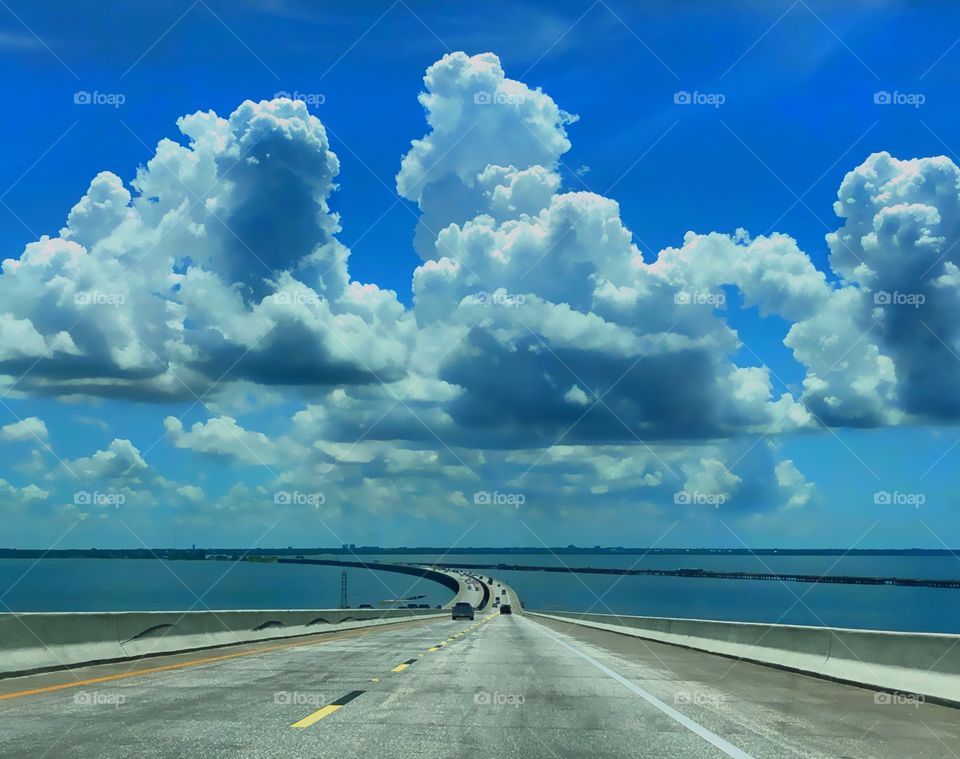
(41, 641)
(927, 664)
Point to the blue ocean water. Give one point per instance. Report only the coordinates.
(880, 607)
(134, 584)
(150, 584)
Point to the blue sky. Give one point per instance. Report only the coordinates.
(490, 400)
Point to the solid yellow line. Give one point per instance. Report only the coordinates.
(431, 650)
(400, 668)
(193, 662)
(316, 716)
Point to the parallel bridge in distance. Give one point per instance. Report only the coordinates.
(915, 582)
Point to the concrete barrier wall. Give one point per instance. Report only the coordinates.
(927, 664)
(40, 641)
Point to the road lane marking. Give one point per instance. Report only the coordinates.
(401, 667)
(326, 710)
(316, 716)
(328, 638)
(727, 748)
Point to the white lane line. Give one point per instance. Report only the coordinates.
(726, 747)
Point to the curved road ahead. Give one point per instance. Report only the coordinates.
(507, 686)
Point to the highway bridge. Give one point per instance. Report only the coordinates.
(373, 683)
(710, 574)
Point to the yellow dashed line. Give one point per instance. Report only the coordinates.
(331, 708)
(316, 716)
(328, 638)
(328, 709)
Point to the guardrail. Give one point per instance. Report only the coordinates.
(43, 641)
(927, 664)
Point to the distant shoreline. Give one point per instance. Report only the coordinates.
(205, 553)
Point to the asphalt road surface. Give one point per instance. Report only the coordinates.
(503, 686)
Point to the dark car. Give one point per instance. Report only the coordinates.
(462, 610)
(505, 609)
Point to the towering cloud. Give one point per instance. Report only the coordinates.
(225, 261)
(485, 128)
(541, 349)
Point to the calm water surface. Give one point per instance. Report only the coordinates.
(149, 584)
(874, 607)
(130, 584)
